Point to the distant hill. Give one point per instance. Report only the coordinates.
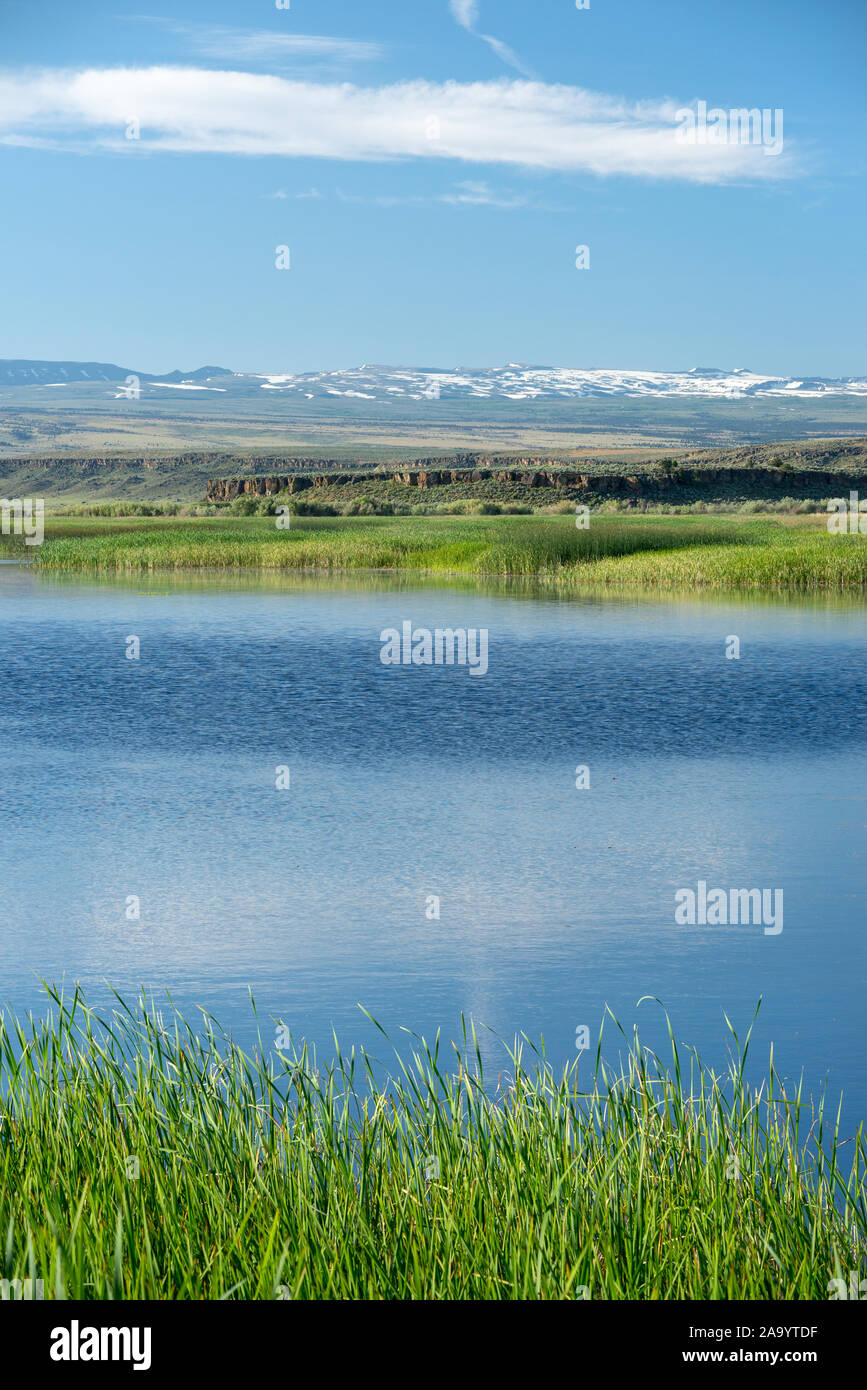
(368, 415)
(513, 382)
(518, 382)
(19, 371)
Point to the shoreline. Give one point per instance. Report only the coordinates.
(603, 553)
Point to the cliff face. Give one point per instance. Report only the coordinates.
(742, 481)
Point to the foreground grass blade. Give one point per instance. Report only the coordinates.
(141, 1159)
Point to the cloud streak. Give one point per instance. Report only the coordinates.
(467, 193)
(466, 12)
(267, 46)
(477, 194)
(534, 125)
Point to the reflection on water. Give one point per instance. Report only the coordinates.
(155, 779)
(380, 581)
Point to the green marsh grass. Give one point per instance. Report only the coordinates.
(613, 552)
(277, 1175)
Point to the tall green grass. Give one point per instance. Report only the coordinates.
(674, 552)
(276, 1175)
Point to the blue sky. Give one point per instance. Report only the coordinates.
(432, 167)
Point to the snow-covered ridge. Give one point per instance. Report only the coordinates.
(517, 382)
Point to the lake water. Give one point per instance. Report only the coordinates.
(155, 778)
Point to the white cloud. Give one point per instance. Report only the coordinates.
(188, 110)
(281, 193)
(265, 45)
(466, 12)
(252, 45)
(504, 52)
(474, 193)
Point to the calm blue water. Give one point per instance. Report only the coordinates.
(156, 778)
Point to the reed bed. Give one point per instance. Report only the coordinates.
(674, 552)
(146, 1159)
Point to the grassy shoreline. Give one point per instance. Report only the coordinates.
(615, 552)
(143, 1159)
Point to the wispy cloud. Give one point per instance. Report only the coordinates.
(467, 193)
(472, 193)
(222, 41)
(187, 110)
(310, 193)
(466, 12)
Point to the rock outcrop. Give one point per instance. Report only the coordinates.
(568, 482)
